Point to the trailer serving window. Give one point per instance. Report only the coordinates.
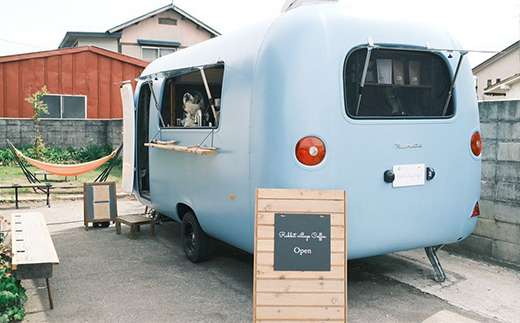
(192, 99)
(394, 83)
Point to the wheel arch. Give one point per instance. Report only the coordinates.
(182, 208)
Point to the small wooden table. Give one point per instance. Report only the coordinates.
(135, 221)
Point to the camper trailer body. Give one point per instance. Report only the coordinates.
(288, 78)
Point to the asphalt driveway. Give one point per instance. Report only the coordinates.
(104, 277)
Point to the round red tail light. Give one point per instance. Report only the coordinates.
(310, 151)
(476, 144)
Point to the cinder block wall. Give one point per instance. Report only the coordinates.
(62, 133)
(497, 234)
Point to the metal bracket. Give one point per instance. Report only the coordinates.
(431, 252)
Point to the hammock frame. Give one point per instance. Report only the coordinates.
(32, 179)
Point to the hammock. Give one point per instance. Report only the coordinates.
(68, 170)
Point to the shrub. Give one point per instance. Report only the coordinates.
(39, 107)
(12, 294)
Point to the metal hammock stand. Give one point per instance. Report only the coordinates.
(32, 179)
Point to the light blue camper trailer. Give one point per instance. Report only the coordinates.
(316, 98)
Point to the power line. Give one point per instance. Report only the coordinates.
(18, 43)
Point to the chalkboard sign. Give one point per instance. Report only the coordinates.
(302, 242)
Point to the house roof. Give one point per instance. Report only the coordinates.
(71, 37)
(75, 50)
(163, 9)
(503, 86)
(496, 57)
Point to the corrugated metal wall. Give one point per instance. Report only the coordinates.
(80, 72)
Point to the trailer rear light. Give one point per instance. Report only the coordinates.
(476, 144)
(310, 151)
(476, 211)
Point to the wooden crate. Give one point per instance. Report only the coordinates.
(299, 296)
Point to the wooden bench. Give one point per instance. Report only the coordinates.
(16, 187)
(45, 174)
(135, 221)
(33, 250)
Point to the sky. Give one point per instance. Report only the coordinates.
(36, 25)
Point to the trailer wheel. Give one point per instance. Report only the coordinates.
(100, 224)
(194, 241)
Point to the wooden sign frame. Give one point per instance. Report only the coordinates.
(95, 196)
(296, 296)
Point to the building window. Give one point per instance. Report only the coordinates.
(398, 84)
(185, 99)
(151, 53)
(489, 82)
(65, 106)
(498, 80)
(168, 21)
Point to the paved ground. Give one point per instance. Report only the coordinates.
(104, 277)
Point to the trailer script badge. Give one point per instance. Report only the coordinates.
(302, 242)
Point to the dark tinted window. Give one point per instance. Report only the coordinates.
(53, 106)
(74, 107)
(65, 107)
(398, 84)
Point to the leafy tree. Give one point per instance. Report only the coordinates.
(39, 107)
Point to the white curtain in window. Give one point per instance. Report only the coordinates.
(149, 54)
(166, 51)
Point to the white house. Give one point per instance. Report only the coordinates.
(498, 78)
(149, 36)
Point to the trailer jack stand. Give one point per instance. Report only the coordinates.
(431, 252)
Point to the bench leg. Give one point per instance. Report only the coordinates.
(138, 228)
(118, 227)
(152, 228)
(133, 229)
(16, 196)
(51, 302)
(48, 196)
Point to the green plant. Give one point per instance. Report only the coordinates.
(12, 294)
(39, 107)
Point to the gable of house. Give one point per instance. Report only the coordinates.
(152, 35)
(497, 76)
(83, 82)
(161, 32)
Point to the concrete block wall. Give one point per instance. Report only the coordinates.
(497, 234)
(62, 133)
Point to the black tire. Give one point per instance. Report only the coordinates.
(100, 224)
(195, 242)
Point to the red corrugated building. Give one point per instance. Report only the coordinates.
(82, 82)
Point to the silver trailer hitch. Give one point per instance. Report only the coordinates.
(431, 252)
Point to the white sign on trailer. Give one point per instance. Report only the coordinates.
(409, 175)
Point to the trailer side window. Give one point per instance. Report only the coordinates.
(192, 100)
(397, 84)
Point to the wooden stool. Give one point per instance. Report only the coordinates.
(135, 221)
